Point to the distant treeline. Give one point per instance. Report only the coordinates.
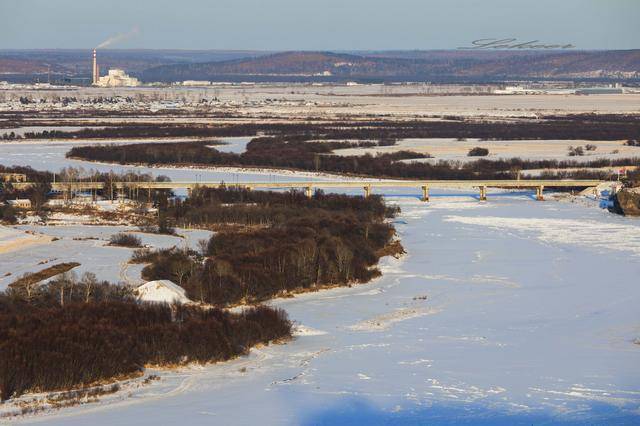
(282, 152)
(274, 243)
(97, 332)
(586, 127)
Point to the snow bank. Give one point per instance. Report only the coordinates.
(162, 291)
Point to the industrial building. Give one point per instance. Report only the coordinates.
(114, 78)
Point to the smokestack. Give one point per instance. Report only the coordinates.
(95, 73)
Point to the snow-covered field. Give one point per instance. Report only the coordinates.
(85, 244)
(455, 150)
(509, 311)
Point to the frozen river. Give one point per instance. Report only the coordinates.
(510, 311)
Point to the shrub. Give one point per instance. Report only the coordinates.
(577, 151)
(125, 240)
(478, 152)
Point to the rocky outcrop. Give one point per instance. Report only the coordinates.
(628, 201)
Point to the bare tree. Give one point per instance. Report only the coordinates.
(89, 282)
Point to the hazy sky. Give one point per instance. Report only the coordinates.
(317, 25)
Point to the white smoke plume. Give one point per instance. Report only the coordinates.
(118, 38)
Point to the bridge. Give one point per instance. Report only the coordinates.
(133, 187)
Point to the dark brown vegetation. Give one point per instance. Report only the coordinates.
(577, 151)
(125, 240)
(285, 243)
(478, 152)
(280, 152)
(584, 127)
(45, 345)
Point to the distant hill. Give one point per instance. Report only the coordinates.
(25, 65)
(362, 66)
(408, 66)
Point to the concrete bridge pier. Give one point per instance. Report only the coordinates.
(539, 191)
(483, 193)
(425, 193)
(367, 191)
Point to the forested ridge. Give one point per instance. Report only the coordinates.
(272, 244)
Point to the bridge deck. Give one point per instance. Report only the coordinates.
(462, 184)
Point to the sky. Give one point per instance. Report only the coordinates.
(316, 25)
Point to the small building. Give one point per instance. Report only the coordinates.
(21, 203)
(117, 78)
(162, 291)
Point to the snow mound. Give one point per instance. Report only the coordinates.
(162, 291)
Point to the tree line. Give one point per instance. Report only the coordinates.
(301, 154)
(577, 127)
(97, 331)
